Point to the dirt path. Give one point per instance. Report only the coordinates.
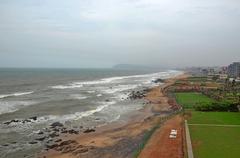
(161, 146)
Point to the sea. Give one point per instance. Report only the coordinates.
(77, 98)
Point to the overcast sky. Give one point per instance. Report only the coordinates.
(102, 33)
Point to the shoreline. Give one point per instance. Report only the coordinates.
(117, 139)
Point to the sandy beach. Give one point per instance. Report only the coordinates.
(120, 139)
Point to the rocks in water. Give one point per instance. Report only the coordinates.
(159, 80)
(58, 140)
(137, 95)
(40, 139)
(89, 130)
(72, 131)
(51, 146)
(33, 142)
(33, 118)
(12, 121)
(56, 124)
(53, 134)
(40, 132)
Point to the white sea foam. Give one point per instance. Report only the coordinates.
(78, 96)
(116, 79)
(70, 86)
(11, 106)
(99, 95)
(119, 88)
(75, 116)
(115, 119)
(15, 94)
(91, 92)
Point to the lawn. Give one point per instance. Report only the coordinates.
(229, 118)
(215, 142)
(189, 99)
(212, 141)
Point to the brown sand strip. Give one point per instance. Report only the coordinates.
(161, 146)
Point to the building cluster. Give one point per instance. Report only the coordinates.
(232, 72)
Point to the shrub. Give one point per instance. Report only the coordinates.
(216, 106)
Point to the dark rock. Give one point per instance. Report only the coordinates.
(107, 100)
(51, 146)
(7, 123)
(159, 80)
(53, 134)
(33, 142)
(41, 139)
(25, 121)
(40, 132)
(33, 118)
(58, 140)
(64, 131)
(5, 145)
(89, 130)
(56, 124)
(72, 131)
(67, 142)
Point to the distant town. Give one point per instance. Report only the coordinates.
(230, 72)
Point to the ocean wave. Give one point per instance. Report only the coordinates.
(78, 96)
(12, 106)
(99, 95)
(15, 94)
(119, 88)
(73, 85)
(75, 116)
(114, 79)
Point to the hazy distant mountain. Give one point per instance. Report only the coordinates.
(134, 67)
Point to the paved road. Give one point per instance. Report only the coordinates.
(189, 143)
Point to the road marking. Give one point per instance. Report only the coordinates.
(188, 140)
(214, 125)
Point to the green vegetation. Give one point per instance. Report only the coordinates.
(197, 79)
(190, 99)
(210, 141)
(146, 137)
(200, 102)
(229, 118)
(216, 106)
(215, 141)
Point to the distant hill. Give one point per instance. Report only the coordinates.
(134, 67)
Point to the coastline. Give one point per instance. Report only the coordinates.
(117, 139)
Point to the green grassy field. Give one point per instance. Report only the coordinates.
(212, 141)
(189, 99)
(215, 142)
(223, 118)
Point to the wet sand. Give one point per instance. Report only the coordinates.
(116, 140)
